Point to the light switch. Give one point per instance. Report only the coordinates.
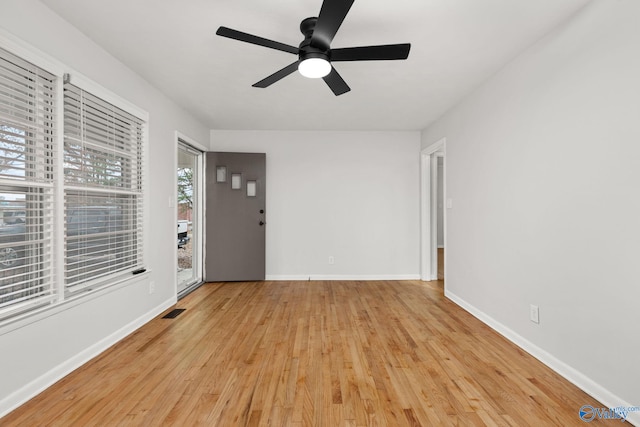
(449, 203)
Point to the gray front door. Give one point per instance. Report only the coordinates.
(235, 217)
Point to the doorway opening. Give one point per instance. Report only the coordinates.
(440, 215)
(189, 206)
(433, 212)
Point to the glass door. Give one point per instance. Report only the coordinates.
(189, 218)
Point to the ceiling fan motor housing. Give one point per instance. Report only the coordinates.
(307, 50)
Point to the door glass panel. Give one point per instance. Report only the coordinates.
(188, 204)
(236, 181)
(221, 174)
(251, 189)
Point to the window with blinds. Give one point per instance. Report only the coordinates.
(102, 189)
(27, 149)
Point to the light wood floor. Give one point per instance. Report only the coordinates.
(311, 354)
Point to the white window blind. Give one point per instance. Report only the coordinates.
(27, 148)
(103, 194)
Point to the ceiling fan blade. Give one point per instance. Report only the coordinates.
(330, 18)
(250, 38)
(371, 53)
(336, 83)
(278, 75)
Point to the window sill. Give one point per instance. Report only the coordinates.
(69, 302)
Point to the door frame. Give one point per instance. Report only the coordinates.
(198, 264)
(428, 209)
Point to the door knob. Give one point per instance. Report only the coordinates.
(262, 222)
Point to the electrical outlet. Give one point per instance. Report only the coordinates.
(534, 313)
(152, 287)
(331, 260)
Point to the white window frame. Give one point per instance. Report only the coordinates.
(29, 142)
(105, 275)
(63, 300)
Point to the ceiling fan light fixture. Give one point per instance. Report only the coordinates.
(314, 68)
(315, 54)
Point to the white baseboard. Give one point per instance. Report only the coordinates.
(580, 380)
(355, 277)
(32, 389)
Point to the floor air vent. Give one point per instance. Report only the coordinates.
(173, 313)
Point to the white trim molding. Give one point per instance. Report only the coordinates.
(348, 277)
(580, 380)
(18, 47)
(428, 209)
(195, 144)
(32, 389)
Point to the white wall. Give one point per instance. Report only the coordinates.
(36, 354)
(350, 195)
(543, 167)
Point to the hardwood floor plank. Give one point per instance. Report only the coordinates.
(311, 354)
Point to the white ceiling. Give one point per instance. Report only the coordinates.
(456, 44)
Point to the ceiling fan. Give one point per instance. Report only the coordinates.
(315, 54)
